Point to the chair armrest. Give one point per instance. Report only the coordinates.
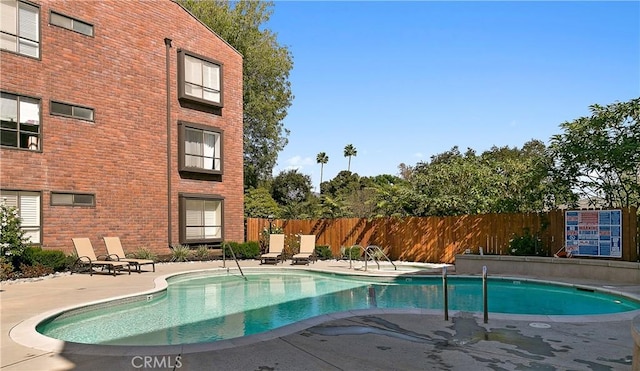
(84, 259)
(113, 257)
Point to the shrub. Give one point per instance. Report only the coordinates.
(228, 246)
(54, 259)
(71, 260)
(26, 257)
(202, 252)
(145, 253)
(180, 253)
(291, 245)
(324, 252)
(246, 250)
(355, 252)
(251, 249)
(527, 244)
(36, 270)
(35, 262)
(6, 269)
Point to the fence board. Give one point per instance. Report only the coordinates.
(439, 239)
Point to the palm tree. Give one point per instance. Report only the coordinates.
(322, 159)
(350, 150)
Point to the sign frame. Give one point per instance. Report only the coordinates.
(595, 233)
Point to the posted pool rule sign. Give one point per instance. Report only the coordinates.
(594, 232)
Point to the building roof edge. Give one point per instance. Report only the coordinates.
(208, 28)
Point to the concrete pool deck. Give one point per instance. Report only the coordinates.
(376, 340)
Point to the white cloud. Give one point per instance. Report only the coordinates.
(298, 162)
(294, 163)
(418, 155)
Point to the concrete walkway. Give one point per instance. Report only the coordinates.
(366, 340)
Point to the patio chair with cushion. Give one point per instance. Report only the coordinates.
(274, 252)
(87, 258)
(307, 249)
(116, 252)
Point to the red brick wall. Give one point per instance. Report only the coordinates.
(121, 157)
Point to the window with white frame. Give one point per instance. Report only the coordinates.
(200, 218)
(20, 27)
(200, 148)
(19, 122)
(28, 206)
(200, 79)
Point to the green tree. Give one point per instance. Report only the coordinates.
(503, 179)
(445, 157)
(349, 151)
(389, 198)
(522, 177)
(291, 187)
(343, 183)
(258, 203)
(307, 209)
(405, 171)
(452, 187)
(392, 201)
(599, 156)
(332, 207)
(266, 67)
(349, 195)
(322, 159)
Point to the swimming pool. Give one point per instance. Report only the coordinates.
(208, 306)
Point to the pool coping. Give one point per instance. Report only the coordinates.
(24, 333)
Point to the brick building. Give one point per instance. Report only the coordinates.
(119, 118)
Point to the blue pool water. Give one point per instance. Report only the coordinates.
(196, 308)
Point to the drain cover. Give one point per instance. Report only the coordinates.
(539, 325)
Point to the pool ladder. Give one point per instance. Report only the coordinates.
(234, 258)
(372, 252)
(485, 306)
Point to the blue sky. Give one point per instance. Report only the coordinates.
(403, 81)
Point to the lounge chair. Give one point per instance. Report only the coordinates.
(116, 252)
(87, 257)
(307, 249)
(274, 253)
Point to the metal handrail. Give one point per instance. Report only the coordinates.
(350, 260)
(369, 255)
(445, 290)
(378, 249)
(386, 257)
(234, 258)
(485, 305)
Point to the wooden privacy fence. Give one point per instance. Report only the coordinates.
(439, 239)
